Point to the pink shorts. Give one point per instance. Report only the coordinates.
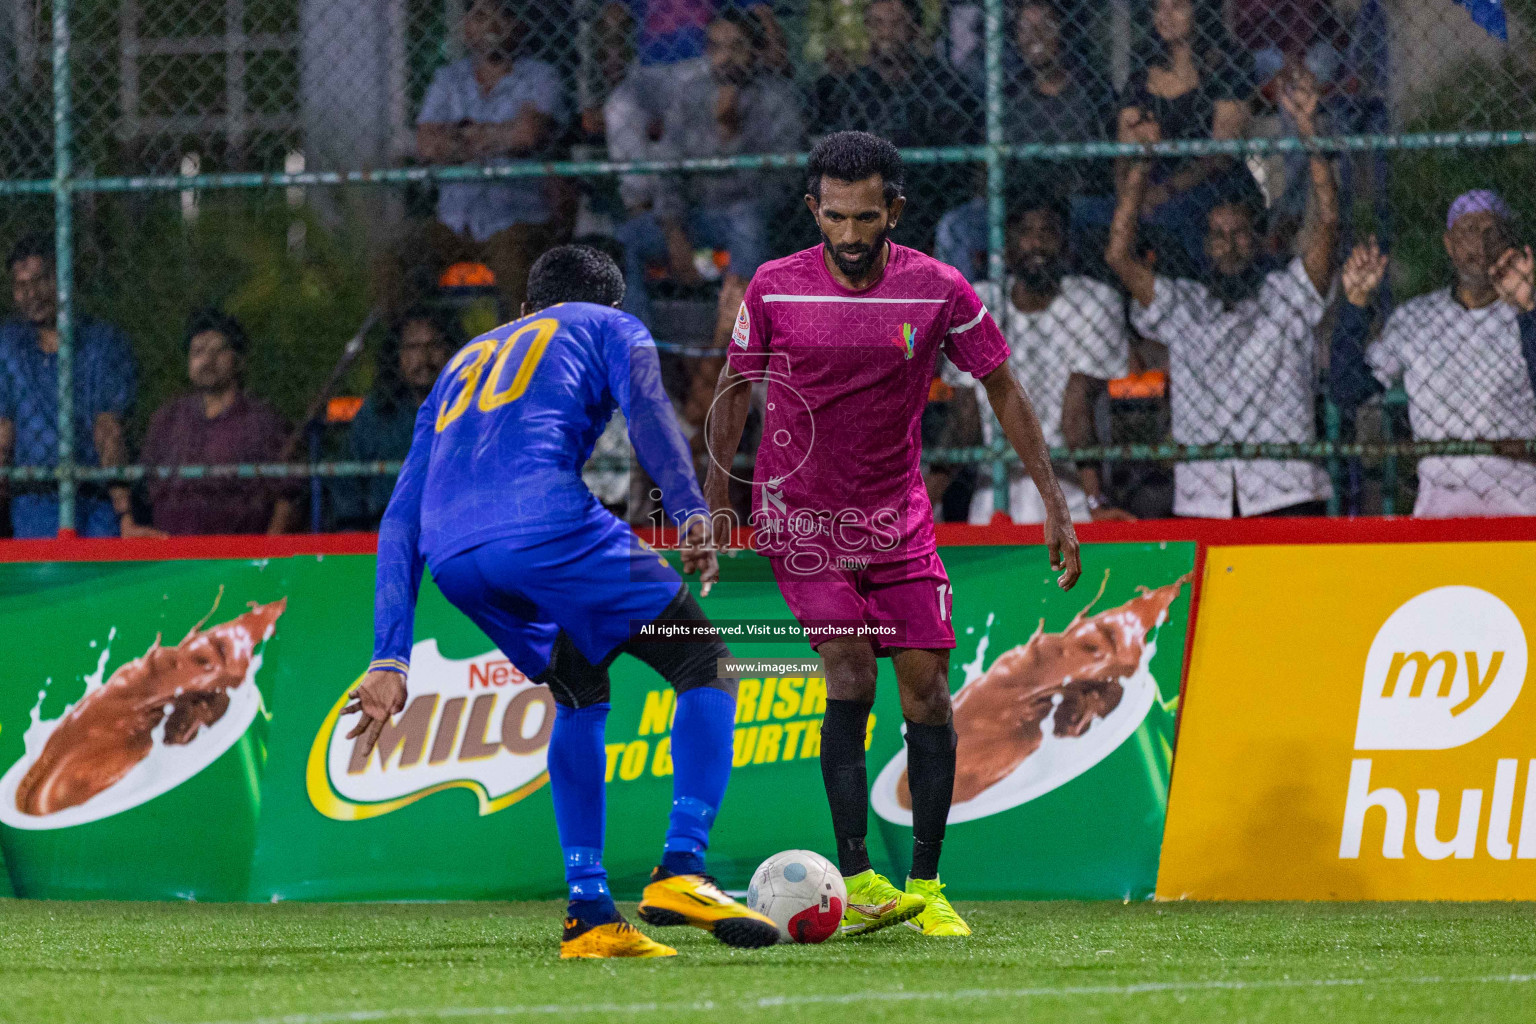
(894, 604)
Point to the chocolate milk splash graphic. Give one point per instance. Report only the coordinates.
(112, 729)
(1079, 673)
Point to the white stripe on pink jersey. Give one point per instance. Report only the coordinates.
(842, 298)
(970, 323)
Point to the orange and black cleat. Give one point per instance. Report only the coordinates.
(582, 940)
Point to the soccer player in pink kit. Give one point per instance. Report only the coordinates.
(847, 336)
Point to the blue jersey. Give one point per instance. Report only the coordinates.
(500, 442)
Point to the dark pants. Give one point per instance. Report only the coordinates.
(411, 274)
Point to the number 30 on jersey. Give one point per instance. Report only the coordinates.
(524, 348)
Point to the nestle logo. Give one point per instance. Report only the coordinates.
(494, 673)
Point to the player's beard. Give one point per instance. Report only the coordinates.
(856, 264)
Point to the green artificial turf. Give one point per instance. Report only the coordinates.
(1102, 962)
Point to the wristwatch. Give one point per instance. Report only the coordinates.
(1096, 502)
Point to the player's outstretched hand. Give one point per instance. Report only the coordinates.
(699, 555)
(379, 696)
(1061, 541)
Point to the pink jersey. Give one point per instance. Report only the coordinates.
(839, 474)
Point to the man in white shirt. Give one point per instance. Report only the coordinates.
(1240, 346)
(1458, 354)
(1066, 335)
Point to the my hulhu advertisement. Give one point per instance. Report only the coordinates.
(173, 730)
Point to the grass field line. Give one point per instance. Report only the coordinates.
(873, 996)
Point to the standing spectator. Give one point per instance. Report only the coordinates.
(217, 424)
(1066, 334)
(1192, 81)
(104, 383)
(726, 104)
(1240, 345)
(1458, 353)
(907, 95)
(1051, 101)
(490, 107)
(409, 361)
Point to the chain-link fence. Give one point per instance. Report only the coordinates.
(243, 235)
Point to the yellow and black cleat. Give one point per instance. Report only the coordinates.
(584, 941)
(696, 900)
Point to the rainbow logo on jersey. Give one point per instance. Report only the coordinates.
(903, 340)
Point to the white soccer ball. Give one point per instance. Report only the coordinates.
(802, 892)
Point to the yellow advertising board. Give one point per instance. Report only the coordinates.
(1357, 726)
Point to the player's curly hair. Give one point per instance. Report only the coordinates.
(854, 156)
(575, 273)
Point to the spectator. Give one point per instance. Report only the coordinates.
(1458, 353)
(104, 382)
(726, 104)
(1068, 340)
(659, 36)
(1192, 82)
(632, 112)
(837, 37)
(911, 97)
(1049, 102)
(607, 62)
(414, 354)
(1240, 345)
(1281, 37)
(1053, 99)
(217, 424)
(488, 108)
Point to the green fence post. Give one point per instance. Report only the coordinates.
(992, 28)
(64, 266)
(1333, 429)
(1389, 464)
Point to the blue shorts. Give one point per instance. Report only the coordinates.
(599, 583)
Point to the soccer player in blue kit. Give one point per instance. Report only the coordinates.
(491, 498)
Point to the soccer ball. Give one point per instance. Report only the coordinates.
(802, 892)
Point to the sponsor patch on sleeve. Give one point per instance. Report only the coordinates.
(742, 333)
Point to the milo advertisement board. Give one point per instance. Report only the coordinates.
(173, 730)
(133, 730)
(1065, 707)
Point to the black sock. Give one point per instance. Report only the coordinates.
(847, 781)
(931, 775)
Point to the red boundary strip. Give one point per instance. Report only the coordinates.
(1202, 531)
(112, 549)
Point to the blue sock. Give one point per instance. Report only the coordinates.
(577, 767)
(702, 746)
